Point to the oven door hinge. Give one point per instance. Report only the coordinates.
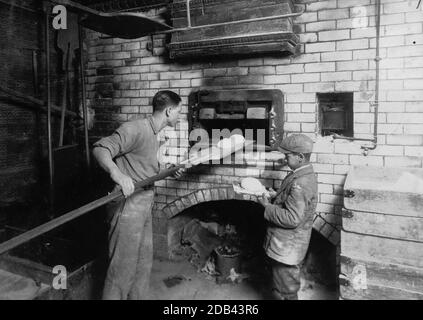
(345, 213)
(349, 193)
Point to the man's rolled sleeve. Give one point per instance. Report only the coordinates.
(293, 213)
(120, 142)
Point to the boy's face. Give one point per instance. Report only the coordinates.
(294, 160)
(172, 114)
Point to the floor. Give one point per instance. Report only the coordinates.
(190, 284)
(186, 284)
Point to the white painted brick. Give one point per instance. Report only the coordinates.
(319, 26)
(306, 77)
(364, 75)
(414, 106)
(366, 160)
(405, 140)
(308, 37)
(301, 97)
(347, 147)
(363, 33)
(415, 16)
(414, 151)
(352, 3)
(319, 87)
(308, 127)
(292, 127)
(307, 58)
(292, 107)
(332, 158)
(320, 47)
(331, 178)
(334, 35)
(391, 129)
(336, 76)
(333, 14)
(404, 6)
(352, 65)
(324, 208)
(386, 19)
(362, 11)
(290, 87)
(319, 5)
(308, 107)
(403, 161)
(291, 68)
(405, 118)
(306, 17)
(337, 56)
(362, 128)
(320, 67)
(408, 28)
(341, 168)
(277, 79)
(324, 188)
(393, 41)
(392, 63)
(323, 167)
(385, 106)
(301, 117)
(415, 73)
(351, 23)
(413, 84)
(386, 85)
(405, 51)
(384, 150)
(348, 85)
(352, 44)
(405, 95)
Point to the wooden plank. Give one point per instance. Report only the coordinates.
(385, 201)
(394, 191)
(385, 225)
(374, 292)
(379, 274)
(384, 250)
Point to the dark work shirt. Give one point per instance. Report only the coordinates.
(134, 147)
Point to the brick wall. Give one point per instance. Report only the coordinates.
(337, 55)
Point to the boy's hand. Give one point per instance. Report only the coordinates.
(264, 201)
(124, 181)
(272, 193)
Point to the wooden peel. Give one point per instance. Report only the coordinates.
(206, 156)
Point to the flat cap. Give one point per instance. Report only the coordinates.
(296, 143)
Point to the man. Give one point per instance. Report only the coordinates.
(134, 148)
(290, 218)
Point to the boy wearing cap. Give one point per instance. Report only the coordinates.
(289, 216)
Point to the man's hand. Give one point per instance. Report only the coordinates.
(124, 181)
(264, 201)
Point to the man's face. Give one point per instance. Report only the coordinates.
(173, 114)
(293, 160)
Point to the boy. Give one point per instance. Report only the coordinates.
(134, 148)
(290, 218)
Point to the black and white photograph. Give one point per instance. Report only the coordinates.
(209, 156)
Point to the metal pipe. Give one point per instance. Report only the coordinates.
(84, 95)
(188, 13)
(377, 86)
(48, 88)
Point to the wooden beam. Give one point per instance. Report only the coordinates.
(34, 102)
